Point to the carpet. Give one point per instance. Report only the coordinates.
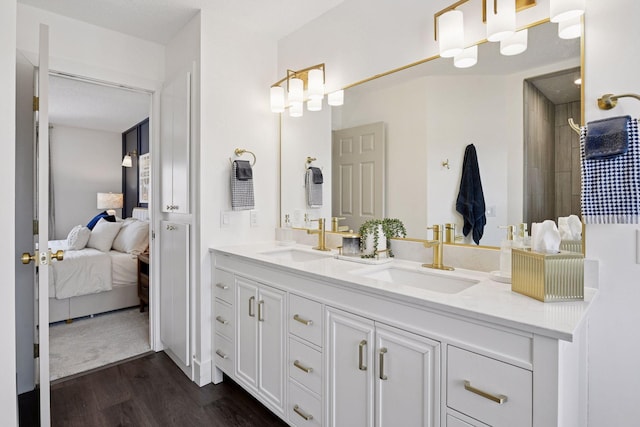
(92, 342)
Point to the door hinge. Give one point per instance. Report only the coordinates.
(36, 103)
(36, 227)
(36, 350)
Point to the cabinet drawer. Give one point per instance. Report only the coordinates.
(223, 319)
(454, 421)
(223, 354)
(305, 409)
(223, 286)
(475, 382)
(305, 365)
(305, 319)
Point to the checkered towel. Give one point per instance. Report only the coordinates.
(611, 186)
(241, 191)
(314, 191)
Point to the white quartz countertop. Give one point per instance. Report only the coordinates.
(488, 300)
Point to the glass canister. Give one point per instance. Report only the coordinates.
(351, 244)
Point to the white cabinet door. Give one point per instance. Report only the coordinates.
(350, 363)
(271, 340)
(174, 289)
(247, 332)
(175, 140)
(407, 380)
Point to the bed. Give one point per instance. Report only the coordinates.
(101, 276)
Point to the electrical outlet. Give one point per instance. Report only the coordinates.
(491, 211)
(253, 218)
(225, 219)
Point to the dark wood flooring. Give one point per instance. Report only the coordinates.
(149, 391)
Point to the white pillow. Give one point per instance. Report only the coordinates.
(78, 238)
(133, 237)
(103, 234)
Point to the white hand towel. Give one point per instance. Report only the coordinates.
(314, 191)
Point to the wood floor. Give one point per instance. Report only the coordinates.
(151, 391)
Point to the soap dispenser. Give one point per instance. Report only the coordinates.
(522, 239)
(505, 252)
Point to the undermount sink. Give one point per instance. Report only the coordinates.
(296, 255)
(422, 279)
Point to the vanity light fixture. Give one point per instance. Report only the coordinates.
(127, 162)
(335, 99)
(570, 28)
(561, 10)
(515, 44)
(467, 58)
(451, 32)
(306, 85)
(501, 19)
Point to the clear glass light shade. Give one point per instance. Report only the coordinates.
(561, 10)
(502, 24)
(296, 91)
(467, 58)
(515, 44)
(336, 98)
(277, 99)
(314, 104)
(295, 109)
(315, 85)
(570, 28)
(451, 33)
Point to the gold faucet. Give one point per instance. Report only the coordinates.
(436, 244)
(335, 224)
(321, 235)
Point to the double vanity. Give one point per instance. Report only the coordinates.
(327, 342)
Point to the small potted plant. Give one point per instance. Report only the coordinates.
(371, 232)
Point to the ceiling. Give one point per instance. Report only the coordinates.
(160, 20)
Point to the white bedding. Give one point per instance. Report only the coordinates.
(124, 268)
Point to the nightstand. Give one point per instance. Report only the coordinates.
(143, 280)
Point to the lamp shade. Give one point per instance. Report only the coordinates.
(336, 98)
(561, 10)
(500, 24)
(296, 91)
(515, 44)
(315, 84)
(450, 33)
(295, 109)
(277, 99)
(314, 104)
(110, 201)
(126, 161)
(570, 28)
(467, 58)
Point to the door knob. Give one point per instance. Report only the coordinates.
(57, 255)
(26, 258)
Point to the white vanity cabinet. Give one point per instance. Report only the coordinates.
(224, 320)
(379, 375)
(260, 340)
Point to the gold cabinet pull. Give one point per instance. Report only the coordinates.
(297, 410)
(222, 286)
(222, 320)
(383, 351)
(498, 398)
(303, 321)
(303, 368)
(260, 305)
(251, 302)
(221, 354)
(361, 365)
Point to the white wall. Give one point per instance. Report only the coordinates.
(84, 162)
(611, 29)
(8, 401)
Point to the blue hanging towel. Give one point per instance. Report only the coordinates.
(470, 202)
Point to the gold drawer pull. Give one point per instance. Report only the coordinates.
(222, 320)
(499, 399)
(303, 321)
(222, 286)
(361, 365)
(221, 354)
(297, 410)
(300, 366)
(383, 351)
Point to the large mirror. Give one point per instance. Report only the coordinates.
(429, 113)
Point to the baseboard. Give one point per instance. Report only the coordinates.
(187, 370)
(202, 372)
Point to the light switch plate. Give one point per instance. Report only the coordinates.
(253, 218)
(225, 219)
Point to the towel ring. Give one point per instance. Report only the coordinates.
(240, 151)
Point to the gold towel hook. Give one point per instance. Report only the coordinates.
(445, 164)
(309, 161)
(574, 126)
(240, 151)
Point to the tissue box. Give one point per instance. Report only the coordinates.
(571, 245)
(548, 277)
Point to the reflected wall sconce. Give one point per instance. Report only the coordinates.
(127, 159)
(110, 202)
(306, 85)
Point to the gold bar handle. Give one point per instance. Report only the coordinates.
(252, 300)
(303, 321)
(222, 320)
(361, 365)
(260, 305)
(221, 354)
(498, 398)
(383, 351)
(303, 368)
(222, 286)
(297, 410)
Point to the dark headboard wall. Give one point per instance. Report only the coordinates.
(136, 138)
